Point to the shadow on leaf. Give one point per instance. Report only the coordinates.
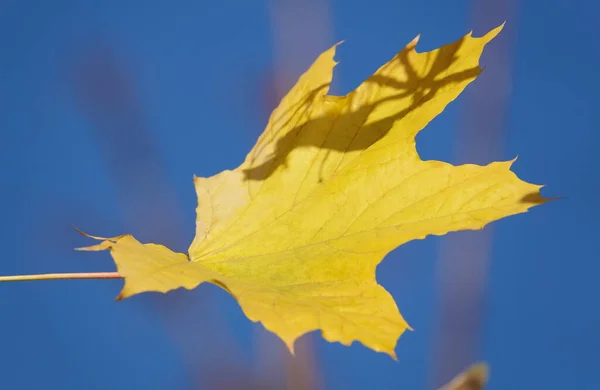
(356, 135)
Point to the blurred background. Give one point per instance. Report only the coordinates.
(108, 109)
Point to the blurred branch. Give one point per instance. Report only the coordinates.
(464, 257)
(106, 93)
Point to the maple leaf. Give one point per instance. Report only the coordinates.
(334, 183)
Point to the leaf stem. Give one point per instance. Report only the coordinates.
(65, 276)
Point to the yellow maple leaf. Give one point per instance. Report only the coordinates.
(333, 184)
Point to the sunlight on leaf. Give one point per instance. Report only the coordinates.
(332, 185)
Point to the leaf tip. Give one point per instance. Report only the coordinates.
(413, 44)
(333, 50)
(104, 245)
(494, 32)
(290, 346)
(120, 297)
(89, 235)
(388, 350)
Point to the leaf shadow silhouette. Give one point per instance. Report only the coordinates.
(422, 88)
(537, 199)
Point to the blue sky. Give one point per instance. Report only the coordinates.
(193, 106)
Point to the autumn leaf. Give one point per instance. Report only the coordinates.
(334, 183)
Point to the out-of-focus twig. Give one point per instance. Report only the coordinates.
(465, 256)
(106, 93)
